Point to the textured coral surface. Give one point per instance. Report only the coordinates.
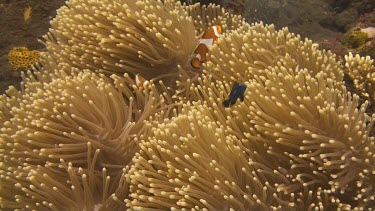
(23, 58)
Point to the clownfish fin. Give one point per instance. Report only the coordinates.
(196, 63)
(217, 30)
(200, 55)
(242, 97)
(201, 35)
(140, 81)
(213, 32)
(237, 91)
(227, 103)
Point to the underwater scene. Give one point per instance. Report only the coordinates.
(214, 105)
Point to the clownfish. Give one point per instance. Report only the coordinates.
(237, 91)
(141, 82)
(208, 38)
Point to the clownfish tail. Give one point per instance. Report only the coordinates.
(195, 63)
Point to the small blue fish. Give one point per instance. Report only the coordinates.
(237, 91)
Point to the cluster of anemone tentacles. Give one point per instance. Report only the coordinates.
(362, 71)
(80, 135)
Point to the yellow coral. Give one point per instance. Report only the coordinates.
(355, 38)
(22, 57)
(361, 70)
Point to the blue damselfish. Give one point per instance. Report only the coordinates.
(238, 91)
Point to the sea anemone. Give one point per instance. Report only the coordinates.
(151, 38)
(80, 135)
(81, 126)
(318, 150)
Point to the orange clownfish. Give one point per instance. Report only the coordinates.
(208, 38)
(141, 82)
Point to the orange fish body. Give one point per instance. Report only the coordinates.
(141, 82)
(212, 33)
(200, 55)
(209, 38)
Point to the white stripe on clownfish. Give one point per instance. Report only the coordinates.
(207, 39)
(216, 32)
(198, 56)
(207, 42)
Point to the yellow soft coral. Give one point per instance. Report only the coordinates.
(362, 70)
(22, 57)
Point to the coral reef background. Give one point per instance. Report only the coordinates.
(319, 20)
(15, 31)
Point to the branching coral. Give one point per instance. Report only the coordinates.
(362, 71)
